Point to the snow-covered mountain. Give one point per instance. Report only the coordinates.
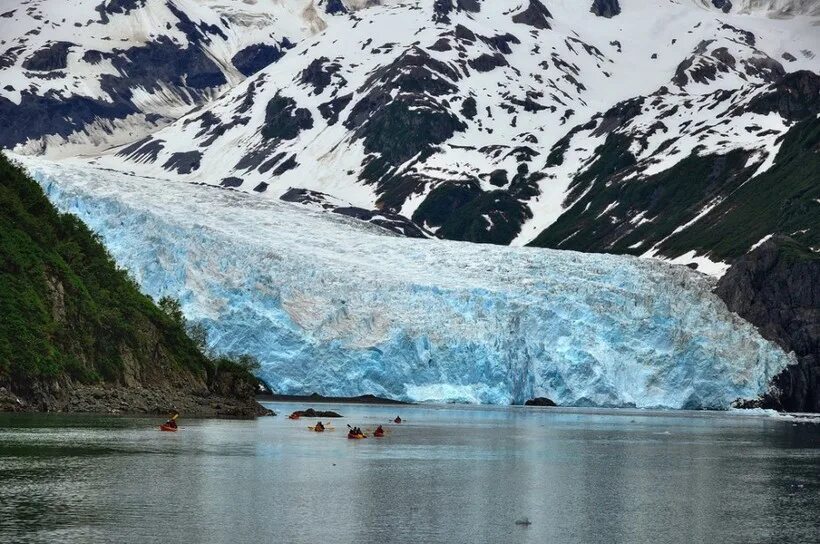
(648, 127)
(88, 74)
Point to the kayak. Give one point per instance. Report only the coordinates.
(167, 428)
(314, 429)
(352, 436)
(378, 434)
(293, 416)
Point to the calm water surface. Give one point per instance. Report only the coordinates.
(449, 474)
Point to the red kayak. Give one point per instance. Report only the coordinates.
(378, 434)
(167, 428)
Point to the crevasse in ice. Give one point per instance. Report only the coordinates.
(341, 308)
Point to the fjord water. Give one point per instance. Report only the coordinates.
(448, 474)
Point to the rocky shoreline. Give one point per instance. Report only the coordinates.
(315, 397)
(108, 399)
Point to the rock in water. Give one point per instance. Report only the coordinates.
(310, 412)
(540, 401)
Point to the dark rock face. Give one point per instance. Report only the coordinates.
(184, 162)
(92, 56)
(117, 6)
(469, 108)
(441, 10)
(487, 63)
(319, 74)
(255, 57)
(306, 196)
(393, 222)
(9, 56)
(403, 116)
(776, 287)
(231, 182)
(540, 401)
(52, 113)
(145, 150)
(462, 211)
(330, 110)
(605, 8)
(335, 7)
(469, 5)
(794, 97)
(390, 221)
(745, 36)
(50, 57)
(444, 201)
(536, 15)
(195, 32)
(159, 63)
(284, 120)
(499, 178)
(723, 5)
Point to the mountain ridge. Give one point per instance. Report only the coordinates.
(476, 122)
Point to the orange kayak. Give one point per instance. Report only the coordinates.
(352, 436)
(167, 428)
(293, 416)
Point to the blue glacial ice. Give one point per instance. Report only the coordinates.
(342, 308)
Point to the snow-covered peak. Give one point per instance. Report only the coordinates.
(475, 120)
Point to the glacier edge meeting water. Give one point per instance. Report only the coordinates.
(338, 307)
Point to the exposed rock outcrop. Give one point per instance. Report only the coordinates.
(776, 287)
(540, 401)
(605, 8)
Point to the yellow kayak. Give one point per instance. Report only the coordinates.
(314, 429)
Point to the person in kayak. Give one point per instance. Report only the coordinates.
(319, 427)
(379, 431)
(172, 420)
(397, 420)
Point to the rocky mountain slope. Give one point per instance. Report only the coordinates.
(89, 74)
(76, 333)
(622, 126)
(777, 288)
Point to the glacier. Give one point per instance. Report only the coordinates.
(340, 307)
